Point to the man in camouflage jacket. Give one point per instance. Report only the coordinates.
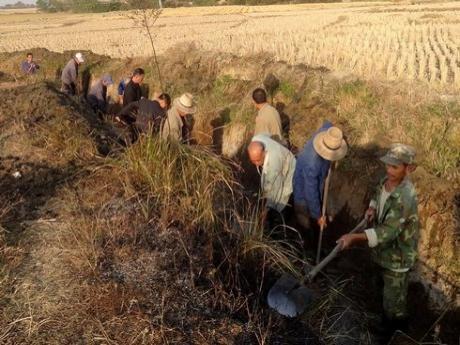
(393, 238)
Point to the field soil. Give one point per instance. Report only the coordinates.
(81, 264)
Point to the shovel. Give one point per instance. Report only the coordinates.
(289, 297)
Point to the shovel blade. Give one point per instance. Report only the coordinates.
(288, 297)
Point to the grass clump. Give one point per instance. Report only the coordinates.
(267, 249)
(182, 183)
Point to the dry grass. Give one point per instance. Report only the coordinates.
(189, 178)
(376, 113)
(166, 212)
(366, 39)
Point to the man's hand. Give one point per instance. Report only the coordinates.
(322, 221)
(346, 241)
(370, 214)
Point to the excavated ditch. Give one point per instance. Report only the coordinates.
(432, 283)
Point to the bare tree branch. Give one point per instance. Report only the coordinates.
(144, 17)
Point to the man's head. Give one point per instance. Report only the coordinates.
(259, 96)
(30, 57)
(399, 162)
(138, 76)
(79, 58)
(165, 101)
(107, 80)
(256, 153)
(185, 104)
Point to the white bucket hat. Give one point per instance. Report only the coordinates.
(79, 57)
(330, 144)
(185, 104)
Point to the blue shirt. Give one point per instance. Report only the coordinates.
(310, 174)
(121, 87)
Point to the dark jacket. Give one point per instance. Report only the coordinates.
(97, 97)
(132, 93)
(149, 114)
(310, 174)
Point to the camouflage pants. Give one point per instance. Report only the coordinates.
(395, 285)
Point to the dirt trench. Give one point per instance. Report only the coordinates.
(34, 226)
(136, 290)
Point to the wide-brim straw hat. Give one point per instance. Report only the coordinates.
(330, 144)
(185, 104)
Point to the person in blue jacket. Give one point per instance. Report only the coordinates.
(313, 162)
(122, 87)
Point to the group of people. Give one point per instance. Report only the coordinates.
(392, 214)
(160, 115)
(286, 179)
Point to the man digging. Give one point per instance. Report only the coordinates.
(278, 165)
(176, 126)
(393, 238)
(69, 76)
(268, 120)
(29, 66)
(313, 167)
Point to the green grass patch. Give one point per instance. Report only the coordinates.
(287, 89)
(359, 92)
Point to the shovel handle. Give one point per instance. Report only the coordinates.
(323, 213)
(333, 253)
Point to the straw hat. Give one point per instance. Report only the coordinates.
(185, 104)
(330, 144)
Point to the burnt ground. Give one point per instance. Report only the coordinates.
(160, 286)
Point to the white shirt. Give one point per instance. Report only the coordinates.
(277, 174)
(383, 199)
